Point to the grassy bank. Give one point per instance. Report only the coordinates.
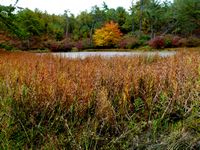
(142, 49)
(48, 102)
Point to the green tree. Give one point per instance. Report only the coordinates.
(141, 15)
(187, 14)
(121, 16)
(31, 22)
(7, 19)
(153, 14)
(133, 14)
(85, 25)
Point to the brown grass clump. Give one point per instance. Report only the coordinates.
(104, 108)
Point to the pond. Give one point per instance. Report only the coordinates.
(112, 54)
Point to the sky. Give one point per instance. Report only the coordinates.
(74, 6)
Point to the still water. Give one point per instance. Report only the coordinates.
(112, 54)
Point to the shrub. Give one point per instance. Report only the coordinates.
(55, 46)
(122, 44)
(60, 46)
(193, 42)
(83, 44)
(176, 41)
(143, 40)
(6, 47)
(59, 35)
(157, 43)
(36, 43)
(67, 45)
(129, 43)
(168, 41)
(189, 42)
(79, 45)
(182, 42)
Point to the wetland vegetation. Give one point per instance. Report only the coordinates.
(49, 102)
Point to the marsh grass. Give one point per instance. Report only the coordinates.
(47, 102)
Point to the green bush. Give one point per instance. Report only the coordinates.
(59, 35)
(6, 47)
(168, 39)
(143, 40)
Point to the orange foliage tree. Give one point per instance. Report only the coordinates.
(108, 35)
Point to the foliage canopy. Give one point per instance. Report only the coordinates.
(108, 35)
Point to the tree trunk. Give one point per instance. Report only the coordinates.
(67, 26)
(141, 16)
(133, 25)
(152, 31)
(91, 30)
(91, 33)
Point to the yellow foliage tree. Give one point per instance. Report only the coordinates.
(108, 35)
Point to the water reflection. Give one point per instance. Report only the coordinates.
(112, 54)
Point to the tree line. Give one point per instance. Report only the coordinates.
(145, 19)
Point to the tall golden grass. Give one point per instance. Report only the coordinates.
(104, 91)
(49, 79)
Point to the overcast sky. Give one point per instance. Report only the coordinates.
(74, 6)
